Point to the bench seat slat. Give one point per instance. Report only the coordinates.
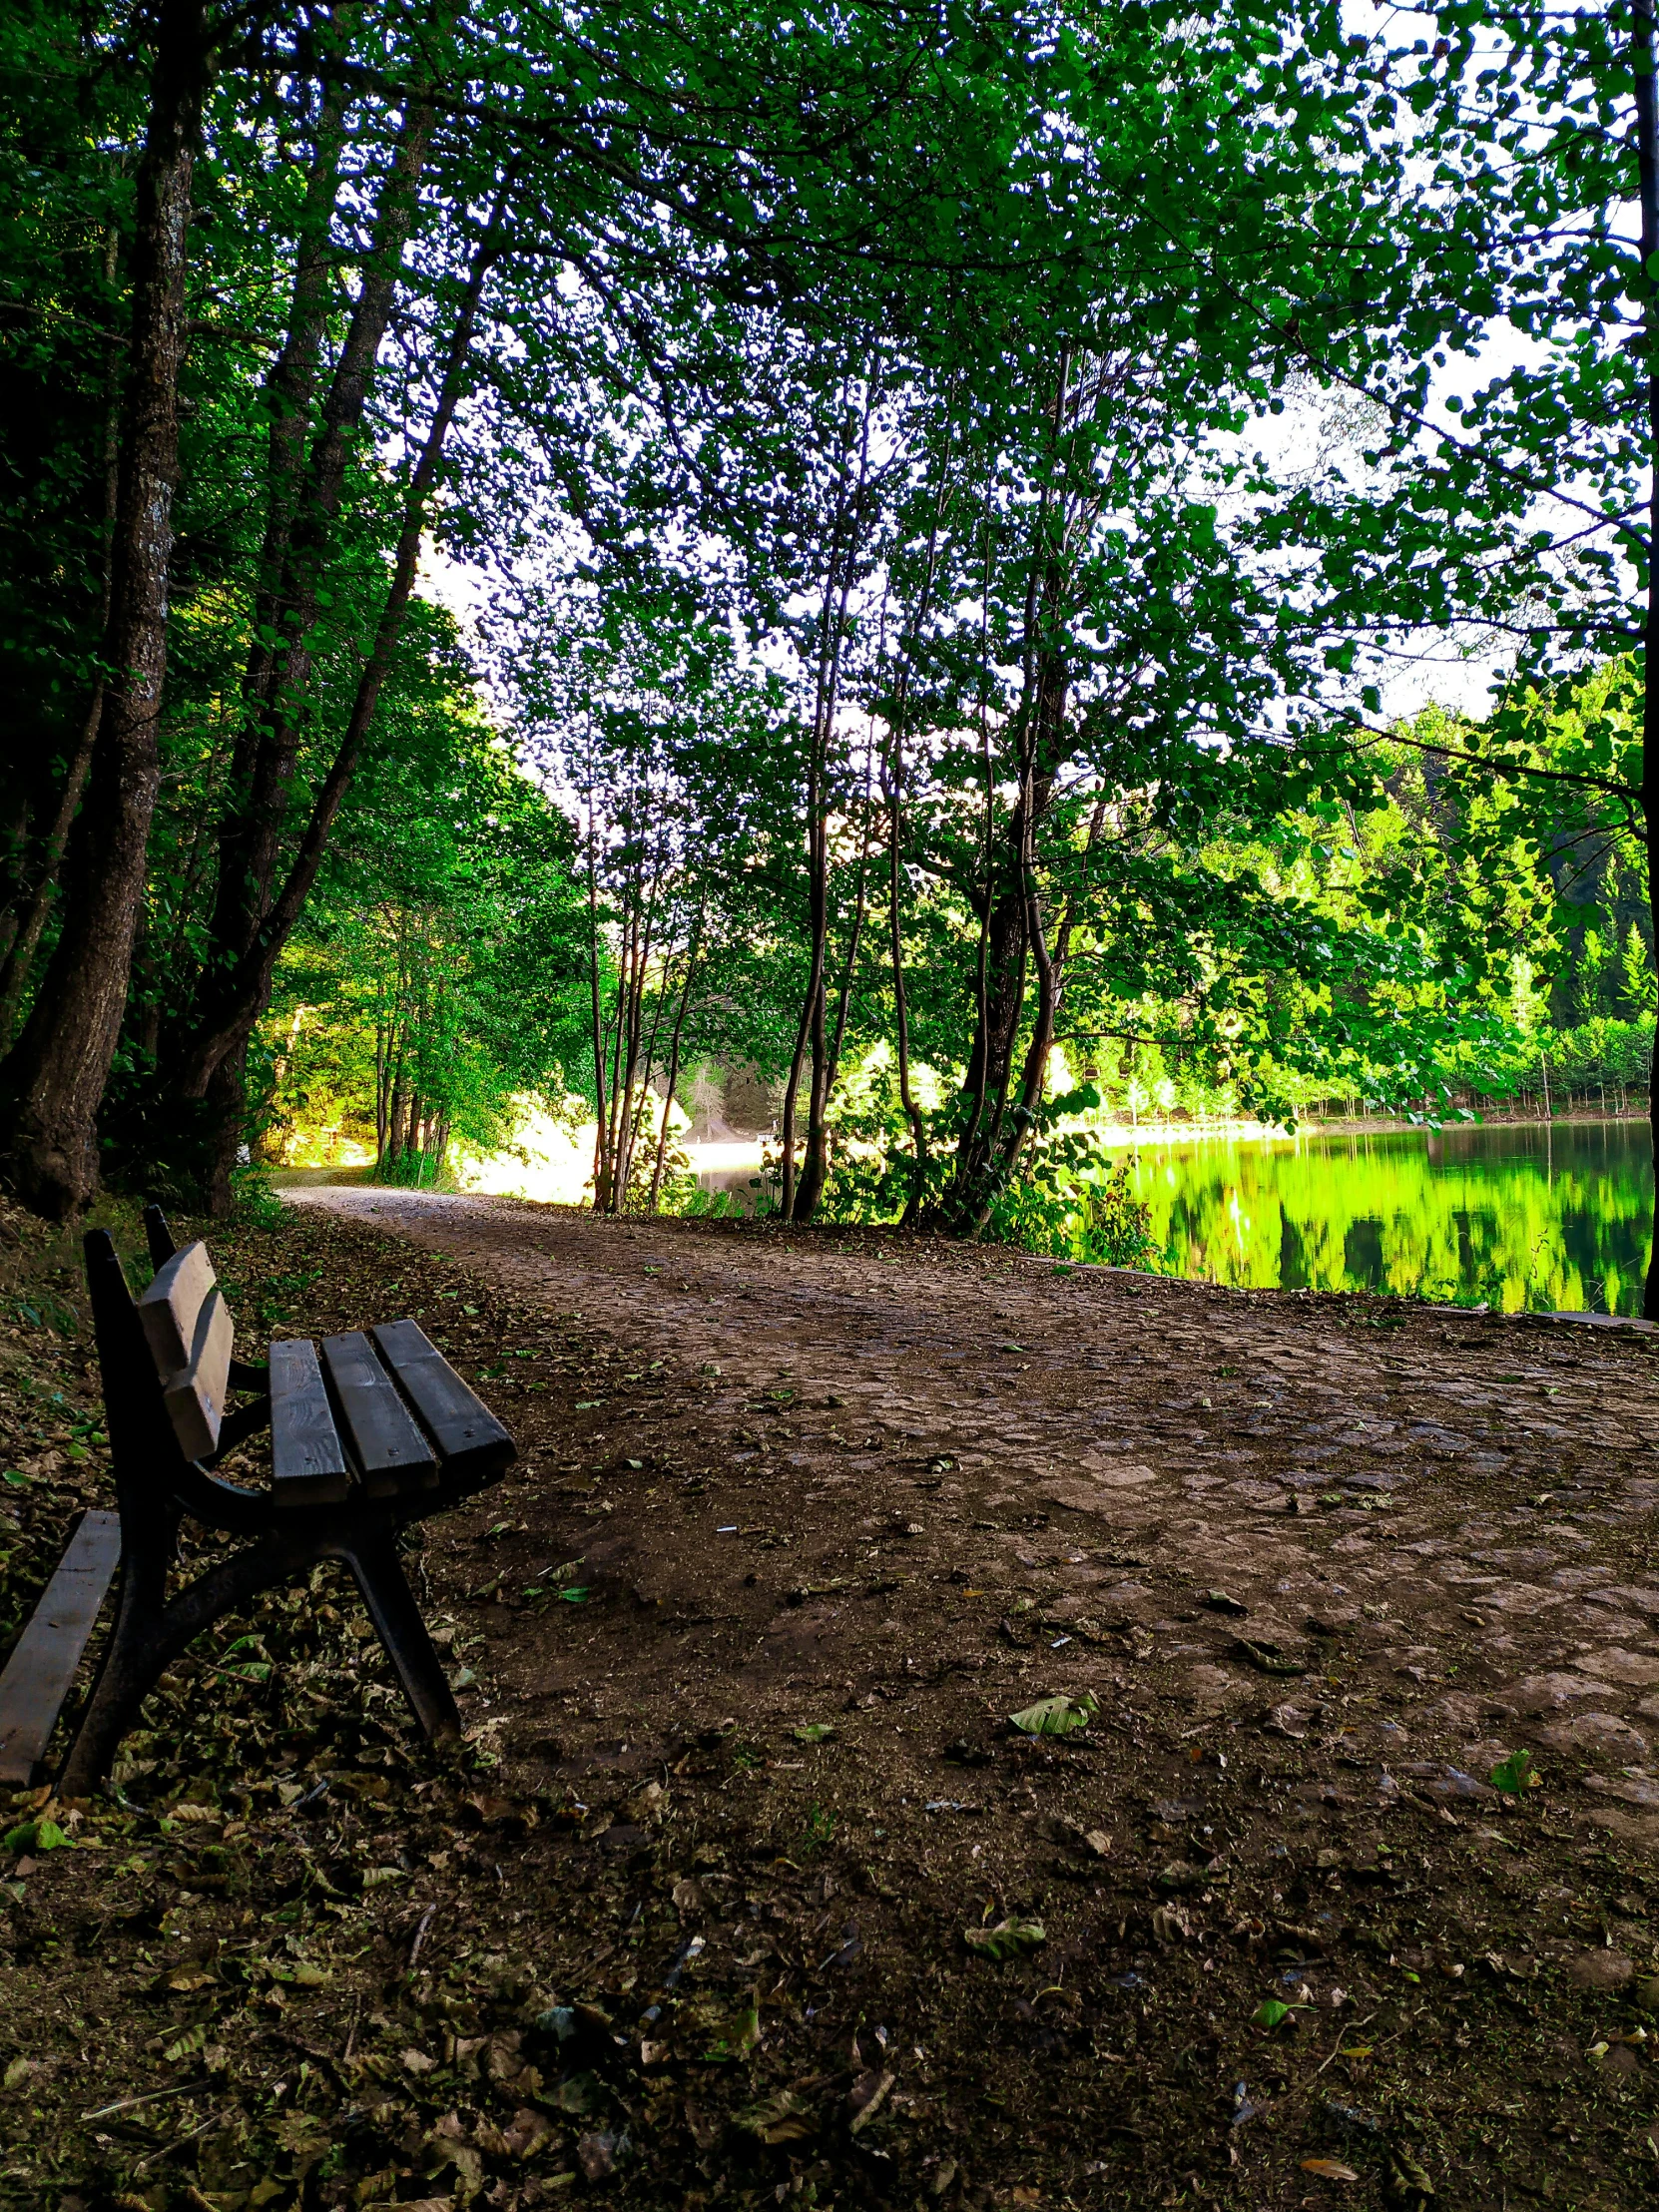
(308, 1465)
(42, 1666)
(393, 1456)
(469, 1439)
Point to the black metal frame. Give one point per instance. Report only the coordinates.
(157, 1488)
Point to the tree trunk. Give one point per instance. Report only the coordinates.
(20, 955)
(600, 1161)
(901, 1006)
(300, 518)
(54, 1078)
(673, 1060)
(227, 1021)
(397, 1121)
(25, 931)
(1647, 148)
(289, 391)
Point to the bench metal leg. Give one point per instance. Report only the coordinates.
(397, 1617)
(147, 1636)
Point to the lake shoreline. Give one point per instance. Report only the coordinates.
(1263, 1132)
(1526, 1216)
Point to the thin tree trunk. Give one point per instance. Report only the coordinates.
(901, 1009)
(895, 804)
(20, 955)
(632, 1102)
(814, 1166)
(229, 1017)
(860, 904)
(54, 1078)
(1647, 148)
(975, 1078)
(673, 1060)
(383, 1070)
(301, 521)
(1042, 711)
(647, 1063)
(623, 986)
(289, 391)
(600, 1162)
(25, 938)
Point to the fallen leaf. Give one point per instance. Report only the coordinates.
(526, 2133)
(1056, 1716)
(1329, 2169)
(1267, 1657)
(781, 2119)
(1006, 1939)
(596, 2155)
(740, 2036)
(1514, 1775)
(866, 2097)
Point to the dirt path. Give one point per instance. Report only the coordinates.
(1325, 1563)
(742, 1891)
(1455, 1494)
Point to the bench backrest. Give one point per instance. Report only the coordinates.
(188, 1327)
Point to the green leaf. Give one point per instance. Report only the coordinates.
(38, 1834)
(740, 2040)
(1514, 1775)
(1056, 1716)
(1006, 1940)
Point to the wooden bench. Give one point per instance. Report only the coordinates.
(368, 1432)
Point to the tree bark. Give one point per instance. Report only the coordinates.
(300, 518)
(234, 1006)
(673, 1060)
(901, 997)
(53, 1081)
(1647, 151)
(289, 393)
(600, 1161)
(23, 936)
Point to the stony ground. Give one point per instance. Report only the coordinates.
(745, 1891)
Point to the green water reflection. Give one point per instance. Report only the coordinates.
(1547, 1217)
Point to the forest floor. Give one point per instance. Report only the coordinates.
(744, 1889)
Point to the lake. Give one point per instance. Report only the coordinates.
(1542, 1215)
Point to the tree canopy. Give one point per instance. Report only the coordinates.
(548, 548)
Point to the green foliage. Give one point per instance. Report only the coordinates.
(255, 1202)
(435, 981)
(918, 670)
